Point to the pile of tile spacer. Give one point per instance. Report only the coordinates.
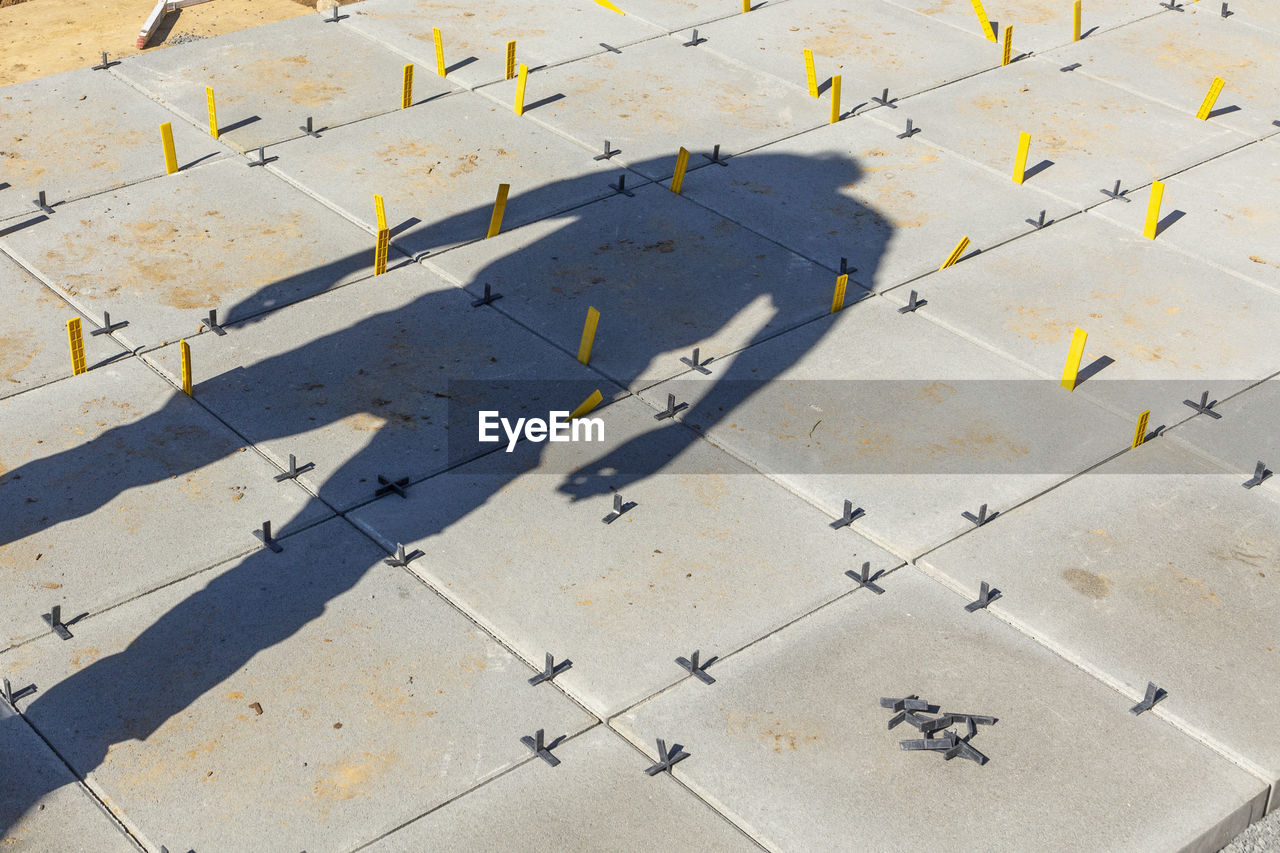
(912, 709)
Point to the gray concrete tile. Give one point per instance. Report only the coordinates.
(1091, 133)
(102, 479)
(1156, 567)
(598, 798)
(438, 167)
(674, 15)
(1245, 434)
(378, 701)
(633, 99)
(792, 744)
(912, 423)
(894, 208)
(362, 381)
(1170, 326)
(1173, 58)
(33, 333)
(267, 80)
(219, 236)
(1037, 24)
(666, 275)
(1256, 13)
(711, 557)
(475, 37)
(873, 46)
(61, 814)
(1230, 206)
(79, 133)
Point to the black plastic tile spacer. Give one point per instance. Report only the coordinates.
(107, 63)
(964, 749)
(885, 101)
(212, 322)
(908, 703)
(541, 748)
(609, 47)
(263, 159)
(986, 595)
(715, 157)
(54, 620)
(309, 129)
(667, 757)
(1173, 6)
(264, 535)
(700, 366)
(388, 487)
(867, 579)
(1226, 13)
(488, 299)
(1038, 223)
(981, 518)
(41, 202)
(550, 671)
(107, 326)
(621, 186)
(947, 741)
(1260, 473)
(618, 509)
(697, 670)
(1117, 193)
(10, 698)
(911, 131)
(849, 516)
(401, 558)
(673, 408)
(845, 269)
(1154, 695)
(695, 41)
(608, 152)
(294, 469)
(335, 17)
(912, 719)
(912, 303)
(1072, 67)
(1203, 406)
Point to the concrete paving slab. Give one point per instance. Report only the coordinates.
(710, 558)
(101, 477)
(794, 725)
(672, 15)
(66, 817)
(651, 99)
(598, 798)
(80, 133)
(913, 424)
(1037, 24)
(33, 333)
(894, 208)
(361, 382)
(666, 275)
(1173, 58)
(475, 38)
(1156, 567)
(1085, 134)
(267, 80)
(873, 46)
(314, 699)
(1245, 434)
(1163, 327)
(438, 167)
(1256, 13)
(1231, 206)
(221, 236)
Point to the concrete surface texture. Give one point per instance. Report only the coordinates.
(789, 516)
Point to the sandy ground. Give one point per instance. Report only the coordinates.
(42, 37)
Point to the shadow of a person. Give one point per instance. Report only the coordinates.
(248, 607)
